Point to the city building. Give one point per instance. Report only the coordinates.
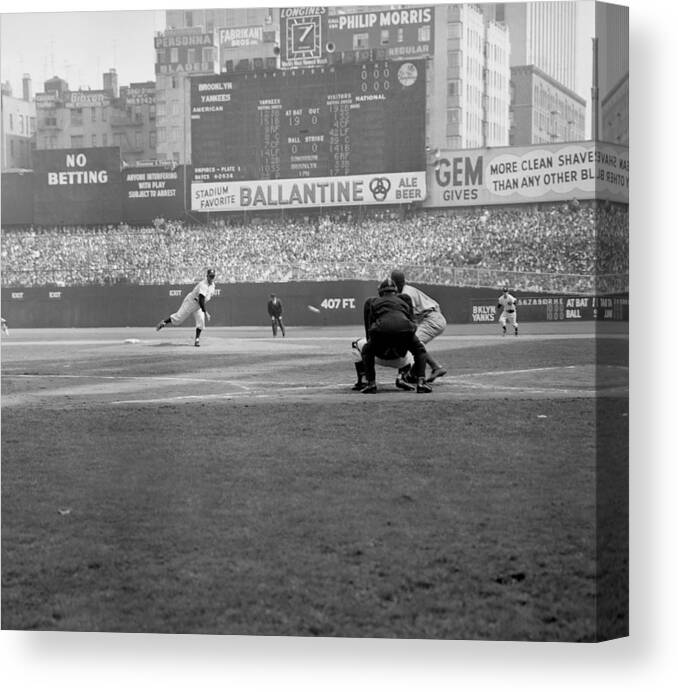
(612, 31)
(112, 116)
(469, 98)
(189, 47)
(614, 113)
(543, 110)
(543, 34)
(18, 127)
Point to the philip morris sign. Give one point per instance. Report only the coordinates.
(401, 34)
(386, 188)
(517, 175)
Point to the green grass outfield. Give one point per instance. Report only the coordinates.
(243, 488)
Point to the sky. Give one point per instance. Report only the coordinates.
(78, 46)
(81, 45)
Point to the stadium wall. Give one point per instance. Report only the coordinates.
(337, 303)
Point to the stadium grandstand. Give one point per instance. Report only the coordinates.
(559, 247)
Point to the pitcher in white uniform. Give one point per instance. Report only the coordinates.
(194, 304)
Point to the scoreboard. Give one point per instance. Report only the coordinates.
(340, 120)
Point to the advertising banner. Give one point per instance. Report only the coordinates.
(184, 51)
(303, 37)
(540, 173)
(140, 95)
(77, 186)
(86, 99)
(150, 192)
(389, 188)
(240, 37)
(538, 308)
(400, 34)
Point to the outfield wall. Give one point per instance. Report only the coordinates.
(338, 303)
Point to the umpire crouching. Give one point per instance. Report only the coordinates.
(391, 332)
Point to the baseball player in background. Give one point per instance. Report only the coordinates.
(4, 326)
(429, 319)
(402, 364)
(194, 304)
(275, 310)
(507, 305)
(391, 332)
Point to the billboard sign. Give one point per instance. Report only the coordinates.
(539, 173)
(87, 99)
(140, 95)
(152, 191)
(184, 51)
(303, 37)
(399, 34)
(77, 186)
(257, 195)
(240, 37)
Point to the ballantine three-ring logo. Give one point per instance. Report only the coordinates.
(379, 188)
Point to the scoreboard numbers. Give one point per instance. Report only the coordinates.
(346, 119)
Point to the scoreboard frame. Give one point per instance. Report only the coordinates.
(344, 119)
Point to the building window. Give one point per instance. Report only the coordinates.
(174, 107)
(191, 56)
(175, 134)
(138, 140)
(160, 56)
(152, 139)
(453, 116)
(162, 134)
(11, 122)
(104, 114)
(189, 19)
(174, 55)
(94, 140)
(208, 54)
(455, 58)
(76, 117)
(361, 41)
(160, 109)
(104, 140)
(77, 141)
(175, 82)
(94, 114)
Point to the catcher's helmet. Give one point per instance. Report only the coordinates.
(387, 286)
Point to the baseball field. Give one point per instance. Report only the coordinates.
(243, 488)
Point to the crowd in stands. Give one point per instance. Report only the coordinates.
(562, 247)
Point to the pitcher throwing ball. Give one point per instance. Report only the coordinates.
(194, 304)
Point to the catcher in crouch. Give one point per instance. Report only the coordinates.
(403, 365)
(391, 332)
